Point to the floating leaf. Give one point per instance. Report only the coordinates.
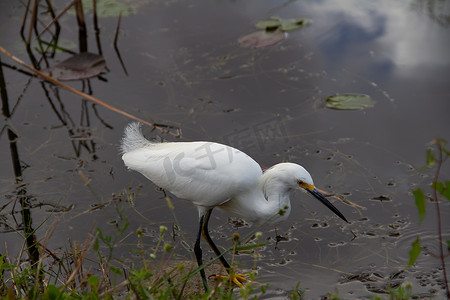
(112, 8)
(262, 38)
(293, 24)
(420, 202)
(349, 102)
(415, 251)
(283, 24)
(270, 24)
(79, 66)
(273, 31)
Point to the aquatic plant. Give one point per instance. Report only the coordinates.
(437, 155)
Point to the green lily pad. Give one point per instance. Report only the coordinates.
(112, 8)
(268, 25)
(275, 23)
(349, 102)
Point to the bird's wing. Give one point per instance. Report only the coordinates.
(204, 172)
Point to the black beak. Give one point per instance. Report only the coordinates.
(327, 203)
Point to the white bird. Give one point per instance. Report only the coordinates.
(215, 175)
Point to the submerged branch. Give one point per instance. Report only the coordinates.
(86, 96)
(55, 19)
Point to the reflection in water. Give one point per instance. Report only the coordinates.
(373, 37)
(436, 10)
(79, 133)
(21, 192)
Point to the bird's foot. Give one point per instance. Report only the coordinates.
(236, 278)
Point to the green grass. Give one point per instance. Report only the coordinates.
(90, 270)
(156, 275)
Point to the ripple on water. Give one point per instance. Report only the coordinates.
(429, 241)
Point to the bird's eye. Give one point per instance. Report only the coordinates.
(299, 182)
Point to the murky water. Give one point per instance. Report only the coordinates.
(184, 68)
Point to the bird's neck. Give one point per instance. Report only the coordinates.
(268, 203)
(275, 191)
(273, 197)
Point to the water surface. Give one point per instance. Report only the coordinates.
(185, 68)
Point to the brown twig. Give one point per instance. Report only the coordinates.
(341, 198)
(18, 263)
(87, 245)
(114, 289)
(86, 96)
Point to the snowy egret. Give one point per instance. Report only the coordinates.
(214, 175)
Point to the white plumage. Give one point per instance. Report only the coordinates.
(215, 175)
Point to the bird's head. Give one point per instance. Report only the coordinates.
(297, 177)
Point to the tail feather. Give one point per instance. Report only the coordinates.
(133, 138)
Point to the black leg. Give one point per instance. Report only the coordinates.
(205, 234)
(198, 253)
(238, 279)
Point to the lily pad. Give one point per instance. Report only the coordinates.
(268, 25)
(79, 66)
(275, 23)
(262, 38)
(349, 102)
(112, 8)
